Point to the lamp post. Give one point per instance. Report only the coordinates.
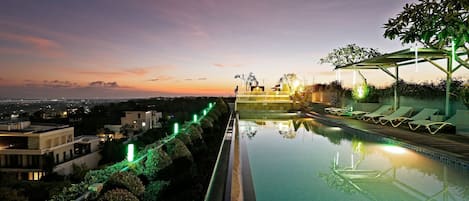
(176, 128)
(130, 152)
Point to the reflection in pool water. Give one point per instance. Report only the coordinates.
(303, 160)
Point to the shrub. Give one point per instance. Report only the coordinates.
(125, 180)
(206, 123)
(185, 138)
(194, 133)
(71, 193)
(79, 172)
(156, 161)
(465, 95)
(100, 176)
(176, 149)
(10, 194)
(153, 190)
(118, 195)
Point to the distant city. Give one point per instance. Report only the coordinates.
(22, 108)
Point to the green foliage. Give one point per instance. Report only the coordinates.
(194, 132)
(156, 161)
(185, 138)
(79, 172)
(10, 194)
(101, 175)
(71, 192)
(118, 195)
(349, 54)
(125, 180)
(422, 90)
(153, 190)
(464, 93)
(431, 22)
(113, 151)
(152, 135)
(176, 149)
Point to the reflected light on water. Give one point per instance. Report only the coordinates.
(394, 149)
(284, 126)
(334, 128)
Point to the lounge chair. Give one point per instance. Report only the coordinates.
(399, 113)
(460, 119)
(424, 114)
(382, 111)
(355, 114)
(337, 110)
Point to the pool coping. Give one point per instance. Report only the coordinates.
(448, 158)
(249, 192)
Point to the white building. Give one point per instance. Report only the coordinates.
(142, 120)
(30, 151)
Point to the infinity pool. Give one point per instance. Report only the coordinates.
(305, 160)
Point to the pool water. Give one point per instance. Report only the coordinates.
(305, 160)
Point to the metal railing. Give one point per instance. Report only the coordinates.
(219, 188)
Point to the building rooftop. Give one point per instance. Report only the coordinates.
(25, 127)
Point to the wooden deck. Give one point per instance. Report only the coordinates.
(453, 145)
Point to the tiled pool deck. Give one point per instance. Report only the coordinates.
(450, 149)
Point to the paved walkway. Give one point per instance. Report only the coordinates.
(450, 144)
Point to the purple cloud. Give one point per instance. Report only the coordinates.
(103, 84)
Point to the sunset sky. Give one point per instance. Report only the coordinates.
(99, 49)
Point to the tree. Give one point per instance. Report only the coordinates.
(349, 54)
(11, 194)
(433, 23)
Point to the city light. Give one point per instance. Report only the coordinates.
(176, 128)
(195, 118)
(130, 152)
(205, 112)
(210, 105)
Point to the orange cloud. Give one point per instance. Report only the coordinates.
(103, 73)
(161, 78)
(139, 71)
(31, 40)
(115, 74)
(32, 45)
(219, 65)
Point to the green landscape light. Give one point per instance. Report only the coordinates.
(176, 128)
(130, 152)
(360, 91)
(210, 105)
(195, 118)
(205, 112)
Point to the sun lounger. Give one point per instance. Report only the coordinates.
(356, 114)
(329, 109)
(337, 110)
(399, 113)
(459, 119)
(382, 111)
(424, 114)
